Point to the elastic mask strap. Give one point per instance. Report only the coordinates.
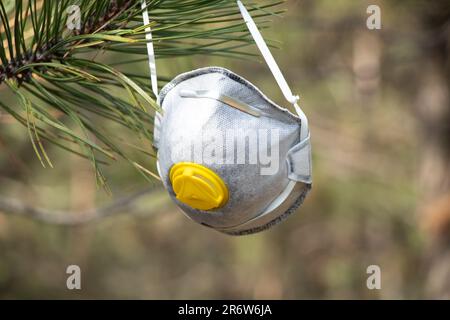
(150, 49)
(274, 68)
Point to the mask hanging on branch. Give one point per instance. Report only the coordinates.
(228, 156)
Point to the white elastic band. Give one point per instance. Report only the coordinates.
(274, 68)
(150, 49)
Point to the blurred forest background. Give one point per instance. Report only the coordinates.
(379, 108)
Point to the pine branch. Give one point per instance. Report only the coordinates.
(44, 54)
(55, 71)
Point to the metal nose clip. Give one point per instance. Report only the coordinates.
(209, 94)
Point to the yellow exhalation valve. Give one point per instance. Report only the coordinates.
(197, 186)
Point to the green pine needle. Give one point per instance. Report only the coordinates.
(63, 88)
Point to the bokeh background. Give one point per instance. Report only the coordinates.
(379, 108)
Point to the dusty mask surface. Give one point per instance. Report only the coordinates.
(228, 156)
(259, 157)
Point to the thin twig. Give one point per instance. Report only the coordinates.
(122, 205)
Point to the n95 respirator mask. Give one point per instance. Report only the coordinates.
(229, 157)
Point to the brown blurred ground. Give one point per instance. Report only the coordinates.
(378, 103)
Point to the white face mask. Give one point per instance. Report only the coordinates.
(229, 157)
